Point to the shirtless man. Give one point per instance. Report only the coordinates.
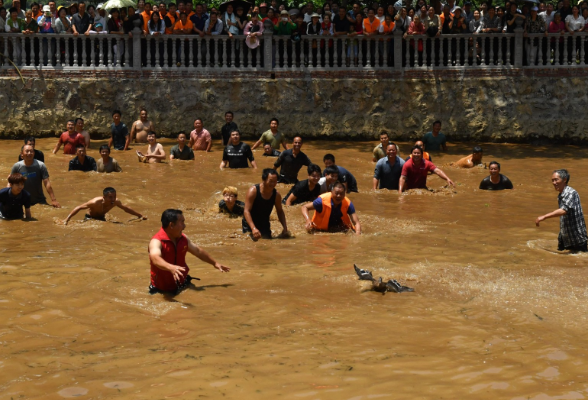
(472, 160)
(155, 152)
(141, 128)
(99, 206)
(80, 129)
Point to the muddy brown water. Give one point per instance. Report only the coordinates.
(496, 312)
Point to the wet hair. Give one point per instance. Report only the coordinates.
(267, 144)
(274, 119)
(29, 139)
(182, 133)
(104, 147)
(436, 122)
(236, 130)
(267, 172)
(72, 121)
(393, 144)
(80, 146)
(313, 168)
(151, 133)
(563, 174)
(229, 112)
(329, 156)
(199, 119)
(116, 112)
(384, 133)
(108, 190)
(330, 170)
(494, 163)
(142, 108)
(416, 147)
(477, 149)
(230, 190)
(16, 178)
(337, 184)
(169, 216)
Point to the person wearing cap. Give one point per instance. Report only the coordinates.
(314, 27)
(262, 11)
(62, 23)
(467, 12)
(533, 24)
(46, 22)
(285, 26)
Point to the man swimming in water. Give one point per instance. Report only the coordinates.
(496, 181)
(472, 160)
(333, 212)
(155, 153)
(572, 227)
(141, 127)
(167, 255)
(99, 206)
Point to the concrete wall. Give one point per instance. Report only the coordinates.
(514, 108)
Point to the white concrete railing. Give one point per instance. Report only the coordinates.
(279, 53)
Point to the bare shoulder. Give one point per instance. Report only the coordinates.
(96, 201)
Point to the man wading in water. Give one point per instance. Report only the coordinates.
(141, 128)
(259, 203)
(167, 254)
(99, 206)
(572, 227)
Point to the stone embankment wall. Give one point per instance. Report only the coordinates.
(519, 107)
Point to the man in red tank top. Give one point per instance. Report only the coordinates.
(167, 254)
(70, 139)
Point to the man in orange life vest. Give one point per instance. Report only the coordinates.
(333, 212)
(167, 253)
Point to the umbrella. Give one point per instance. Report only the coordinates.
(235, 3)
(294, 11)
(110, 4)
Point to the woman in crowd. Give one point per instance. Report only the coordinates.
(557, 26)
(402, 20)
(416, 28)
(115, 26)
(156, 28)
(574, 23)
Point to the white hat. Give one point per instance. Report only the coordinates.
(100, 6)
(252, 41)
(46, 8)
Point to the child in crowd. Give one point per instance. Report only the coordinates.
(14, 198)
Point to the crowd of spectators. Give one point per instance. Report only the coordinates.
(330, 20)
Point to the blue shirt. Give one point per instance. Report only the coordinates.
(336, 214)
(199, 22)
(433, 143)
(387, 174)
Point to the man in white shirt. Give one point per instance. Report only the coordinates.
(547, 15)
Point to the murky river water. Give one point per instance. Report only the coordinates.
(496, 313)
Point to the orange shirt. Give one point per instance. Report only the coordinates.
(146, 18)
(191, 13)
(371, 27)
(172, 18)
(189, 25)
(39, 13)
(386, 28)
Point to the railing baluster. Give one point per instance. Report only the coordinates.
(407, 42)
(165, 56)
(581, 51)
(565, 50)
(231, 54)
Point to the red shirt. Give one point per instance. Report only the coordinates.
(416, 177)
(71, 142)
(174, 254)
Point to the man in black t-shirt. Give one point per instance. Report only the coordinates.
(496, 181)
(306, 190)
(291, 161)
(82, 21)
(82, 162)
(228, 127)
(120, 138)
(237, 153)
